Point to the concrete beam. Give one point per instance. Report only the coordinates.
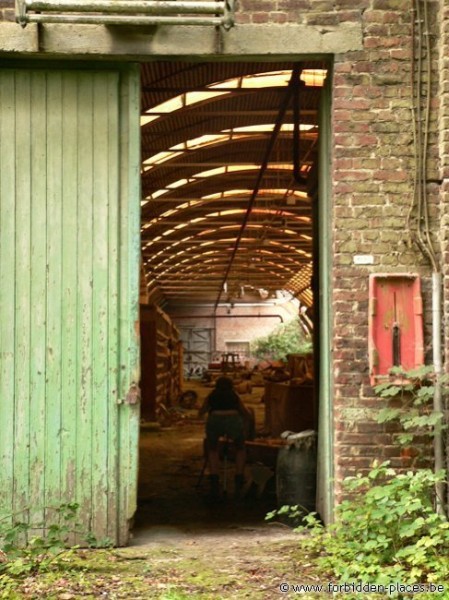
(15, 40)
(142, 43)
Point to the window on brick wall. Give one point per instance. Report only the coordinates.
(239, 347)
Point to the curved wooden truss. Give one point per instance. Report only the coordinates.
(228, 158)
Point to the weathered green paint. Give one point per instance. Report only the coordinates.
(129, 252)
(7, 338)
(69, 260)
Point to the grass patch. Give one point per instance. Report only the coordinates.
(225, 571)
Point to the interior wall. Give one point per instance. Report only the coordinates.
(237, 323)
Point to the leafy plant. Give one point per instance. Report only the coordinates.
(388, 531)
(295, 516)
(286, 338)
(93, 542)
(414, 390)
(22, 553)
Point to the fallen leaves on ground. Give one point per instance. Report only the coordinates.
(201, 568)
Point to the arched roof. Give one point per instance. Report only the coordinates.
(225, 210)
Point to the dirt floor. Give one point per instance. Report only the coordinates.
(242, 553)
(173, 481)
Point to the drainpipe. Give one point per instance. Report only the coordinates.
(421, 116)
(436, 287)
(438, 396)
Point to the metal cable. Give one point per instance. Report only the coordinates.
(430, 248)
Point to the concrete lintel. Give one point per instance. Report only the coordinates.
(291, 39)
(179, 41)
(16, 40)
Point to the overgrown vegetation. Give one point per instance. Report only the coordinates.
(24, 552)
(286, 338)
(413, 393)
(387, 532)
(30, 549)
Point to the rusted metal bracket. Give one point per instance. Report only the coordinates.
(127, 12)
(134, 395)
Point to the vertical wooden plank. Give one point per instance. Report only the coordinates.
(105, 89)
(85, 283)
(54, 349)
(7, 276)
(113, 312)
(129, 298)
(69, 310)
(22, 295)
(38, 292)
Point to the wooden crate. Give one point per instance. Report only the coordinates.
(288, 407)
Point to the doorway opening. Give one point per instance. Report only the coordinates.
(230, 262)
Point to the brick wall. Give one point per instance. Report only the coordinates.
(373, 175)
(373, 158)
(245, 327)
(444, 161)
(307, 12)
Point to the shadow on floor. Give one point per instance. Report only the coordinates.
(172, 494)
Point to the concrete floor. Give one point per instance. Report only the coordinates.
(172, 496)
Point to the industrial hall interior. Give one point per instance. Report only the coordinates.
(229, 182)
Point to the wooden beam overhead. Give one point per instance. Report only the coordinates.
(197, 252)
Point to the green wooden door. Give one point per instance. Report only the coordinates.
(69, 258)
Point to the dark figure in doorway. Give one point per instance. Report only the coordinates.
(226, 417)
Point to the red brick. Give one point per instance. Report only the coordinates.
(260, 17)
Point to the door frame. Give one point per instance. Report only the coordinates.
(325, 474)
(325, 456)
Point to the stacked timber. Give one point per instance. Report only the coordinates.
(161, 362)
